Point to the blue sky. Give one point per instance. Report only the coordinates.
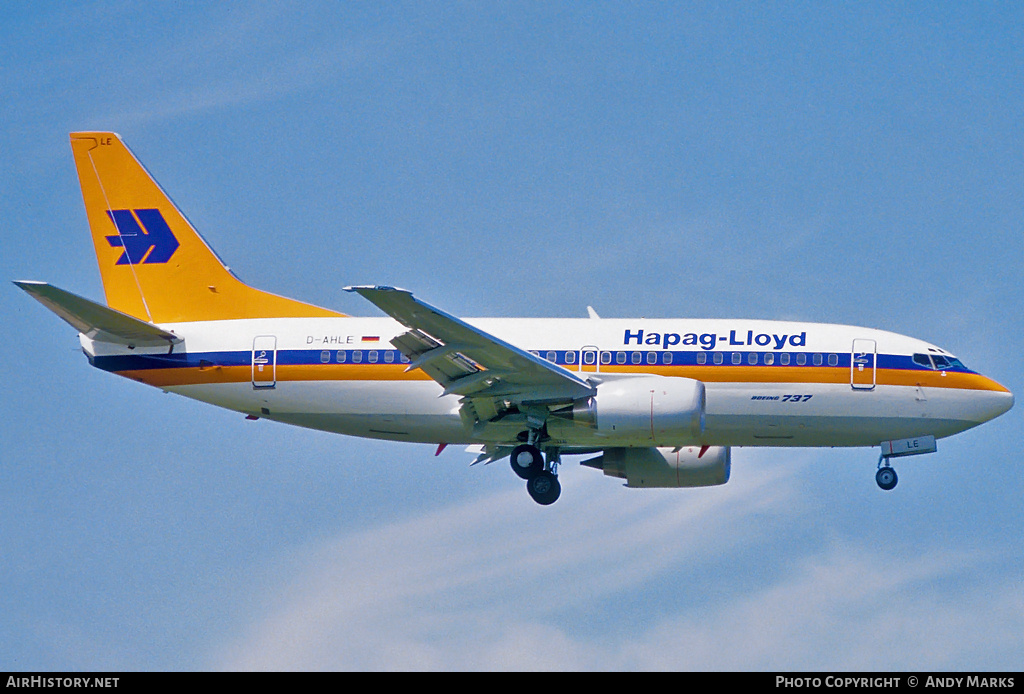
(851, 163)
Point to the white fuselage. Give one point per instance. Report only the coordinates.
(767, 383)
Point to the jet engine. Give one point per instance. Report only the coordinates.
(665, 467)
(648, 410)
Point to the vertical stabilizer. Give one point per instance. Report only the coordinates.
(154, 265)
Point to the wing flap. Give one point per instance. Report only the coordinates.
(441, 362)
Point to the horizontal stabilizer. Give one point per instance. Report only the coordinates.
(96, 321)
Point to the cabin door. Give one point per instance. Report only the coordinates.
(863, 365)
(264, 361)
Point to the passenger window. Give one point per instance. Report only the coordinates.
(702, 358)
(372, 356)
(551, 356)
(769, 359)
(589, 358)
(784, 358)
(652, 357)
(620, 357)
(636, 357)
(357, 356)
(389, 356)
(570, 357)
(752, 358)
(719, 358)
(325, 356)
(606, 357)
(817, 360)
(833, 359)
(737, 358)
(666, 358)
(340, 356)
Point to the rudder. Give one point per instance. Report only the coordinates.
(153, 263)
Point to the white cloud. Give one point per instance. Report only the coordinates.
(501, 584)
(849, 609)
(476, 585)
(226, 58)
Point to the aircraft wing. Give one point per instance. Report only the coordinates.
(470, 362)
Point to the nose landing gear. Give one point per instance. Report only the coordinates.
(886, 475)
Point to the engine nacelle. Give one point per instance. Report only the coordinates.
(652, 410)
(665, 467)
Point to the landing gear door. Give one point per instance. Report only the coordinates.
(264, 361)
(863, 365)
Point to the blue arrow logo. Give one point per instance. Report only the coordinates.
(144, 236)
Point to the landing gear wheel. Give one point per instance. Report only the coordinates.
(886, 478)
(544, 488)
(527, 461)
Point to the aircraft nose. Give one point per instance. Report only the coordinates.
(994, 402)
(1006, 404)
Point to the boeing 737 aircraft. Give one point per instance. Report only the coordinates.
(658, 403)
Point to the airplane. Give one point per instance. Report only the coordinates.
(655, 402)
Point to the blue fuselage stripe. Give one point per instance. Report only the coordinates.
(360, 357)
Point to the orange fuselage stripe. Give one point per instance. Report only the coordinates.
(184, 376)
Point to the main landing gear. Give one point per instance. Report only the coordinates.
(541, 476)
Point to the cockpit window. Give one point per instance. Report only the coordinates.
(923, 360)
(938, 362)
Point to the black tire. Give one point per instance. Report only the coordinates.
(526, 461)
(544, 488)
(886, 478)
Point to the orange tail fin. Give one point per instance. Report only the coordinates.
(154, 265)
